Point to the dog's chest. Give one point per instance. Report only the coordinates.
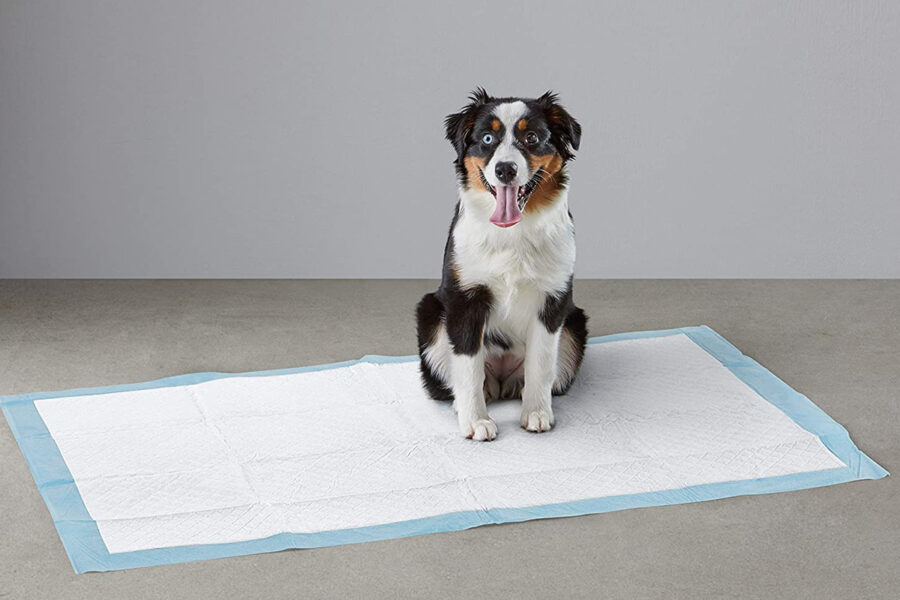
(519, 268)
(538, 255)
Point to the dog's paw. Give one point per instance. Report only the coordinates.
(481, 430)
(537, 420)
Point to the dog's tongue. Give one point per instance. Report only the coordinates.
(507, 212)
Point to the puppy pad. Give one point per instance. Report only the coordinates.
(213, 464)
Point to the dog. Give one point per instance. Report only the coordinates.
(503, 323)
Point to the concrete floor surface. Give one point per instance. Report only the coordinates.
(838, 342)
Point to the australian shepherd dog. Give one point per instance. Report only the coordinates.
(502, 324)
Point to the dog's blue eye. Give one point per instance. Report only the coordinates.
(487, 140)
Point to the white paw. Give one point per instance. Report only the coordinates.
(481, 430)
(537, 420)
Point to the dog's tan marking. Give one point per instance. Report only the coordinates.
(547, 192)
(551, 163)
(474, 167)
(495, 125)
(522, 124)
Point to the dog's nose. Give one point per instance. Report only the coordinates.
(506, 171)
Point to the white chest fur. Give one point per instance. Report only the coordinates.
(520, 264)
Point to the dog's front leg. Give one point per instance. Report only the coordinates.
(541, 350)
(465, 321)
(467, 373)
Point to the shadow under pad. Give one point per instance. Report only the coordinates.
(636, 430)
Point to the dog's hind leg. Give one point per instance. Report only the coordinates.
(434, 348)
(572, 342)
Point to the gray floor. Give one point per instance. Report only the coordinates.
(836, 341)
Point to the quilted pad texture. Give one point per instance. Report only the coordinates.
(221, 464)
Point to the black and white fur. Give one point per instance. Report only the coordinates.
(502, 324)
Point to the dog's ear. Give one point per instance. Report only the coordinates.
(459, 125)
(564, 129)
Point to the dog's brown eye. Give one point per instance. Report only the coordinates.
(531, 138)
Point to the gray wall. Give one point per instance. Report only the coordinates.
(304, 139)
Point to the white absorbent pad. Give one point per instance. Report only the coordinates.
(214, 464)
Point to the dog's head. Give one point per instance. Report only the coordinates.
(515, 149)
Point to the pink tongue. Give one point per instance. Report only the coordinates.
(507, 213)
